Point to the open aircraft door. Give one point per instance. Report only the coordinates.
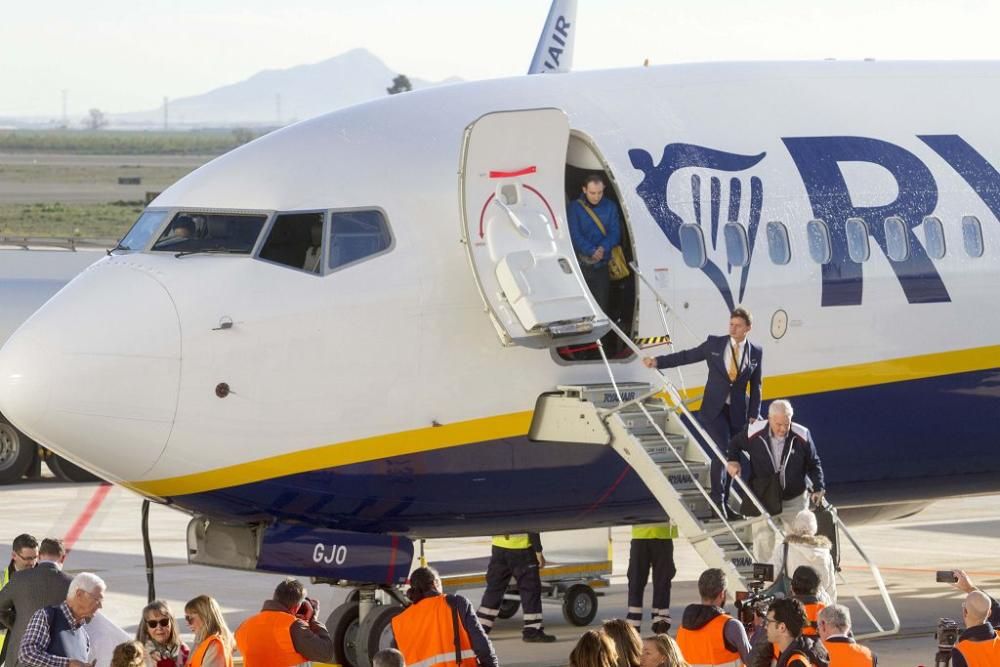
(515, 229)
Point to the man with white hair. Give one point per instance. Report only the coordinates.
(55, 636)
(785, 470)
(834, 626)
(979, 645)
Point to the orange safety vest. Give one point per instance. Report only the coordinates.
(424, 633)
(707, 645)
(980, 653)
(199, 653)
(812, 613)
(848, 654)
(265, 640)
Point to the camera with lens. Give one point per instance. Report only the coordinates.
(947, 636)
(754, 602)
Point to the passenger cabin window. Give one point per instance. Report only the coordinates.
(897, 240)
(295, 240)
(934, 237)
(693, 245)
(737, 246)
(820, 247)
(357, 235)
(778, 246)
(972, 236)
(142, 231)
(858, 248)
(191, 232)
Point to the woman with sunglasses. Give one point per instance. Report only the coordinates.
(212, 638)
(158, 635)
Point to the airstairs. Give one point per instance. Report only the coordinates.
(651, 428)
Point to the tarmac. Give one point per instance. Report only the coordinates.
(104, 526)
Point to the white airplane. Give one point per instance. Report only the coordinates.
(29, 275)
(326, 417)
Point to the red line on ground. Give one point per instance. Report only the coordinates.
(82, 521)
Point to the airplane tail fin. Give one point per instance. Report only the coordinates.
(554, 52)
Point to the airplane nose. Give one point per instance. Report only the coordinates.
(94, 374)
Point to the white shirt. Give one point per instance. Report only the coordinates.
(311, 263)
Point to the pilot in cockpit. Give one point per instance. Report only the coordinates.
(315, 250)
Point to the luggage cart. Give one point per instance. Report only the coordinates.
(578, 566)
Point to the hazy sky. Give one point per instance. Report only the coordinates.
(126, 55)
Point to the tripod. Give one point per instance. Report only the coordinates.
(942, 658)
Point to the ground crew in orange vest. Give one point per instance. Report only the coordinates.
(979, 645)
(805, 586)
(652, 548)
(708, 635)
(23, 556)
(785, 620)
(440, 630)
(285, 632)
(835, 631)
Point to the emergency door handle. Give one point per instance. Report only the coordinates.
(514, 220)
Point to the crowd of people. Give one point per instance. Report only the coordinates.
(51, 620)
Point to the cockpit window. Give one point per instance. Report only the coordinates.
(296, 240)
(142, 231)
(355, 235)
(211, 232)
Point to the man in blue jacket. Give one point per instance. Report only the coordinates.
(592, 244)
(732, 389)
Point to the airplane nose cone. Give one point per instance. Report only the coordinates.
(94, 374)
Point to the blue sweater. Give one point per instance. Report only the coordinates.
(586, 235)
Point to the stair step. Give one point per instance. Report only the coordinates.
(697, 504)
(604, 395)
(660, 452)
(637, 423)
(682, 480)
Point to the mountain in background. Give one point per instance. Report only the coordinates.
(279, 97)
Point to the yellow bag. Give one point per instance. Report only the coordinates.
(617, 266)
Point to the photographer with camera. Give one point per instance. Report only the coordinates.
(960, 580)
(708, 635)
(785, 620)
(285, 632)
(979, 645)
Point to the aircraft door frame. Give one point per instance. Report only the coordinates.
(511, 188)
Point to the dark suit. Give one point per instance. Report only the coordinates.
(27, 592)
(798, 455)
(723, 420)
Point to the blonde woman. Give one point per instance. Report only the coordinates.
(595, 649)
(805, 547)
(158, 635)
(661, 651)
(626, 639)
(212, 639)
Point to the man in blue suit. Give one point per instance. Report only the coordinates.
(732, 390)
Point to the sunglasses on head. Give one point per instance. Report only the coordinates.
(162, 622)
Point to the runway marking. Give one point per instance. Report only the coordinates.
(82, 521)
(918, 569)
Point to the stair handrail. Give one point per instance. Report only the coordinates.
(697, 427)
(681, 406)
(672, 391)
(879, 583)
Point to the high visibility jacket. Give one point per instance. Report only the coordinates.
(265, 640)
(198, 657)
(797, 660)
(654, 531)
(980, 653)
(848, 654)
(812, 613)
(4, 578)
(425, 634)
(512, 541)
(707, 645)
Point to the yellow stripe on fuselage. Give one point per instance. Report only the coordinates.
(517, 424)
(341, 454)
